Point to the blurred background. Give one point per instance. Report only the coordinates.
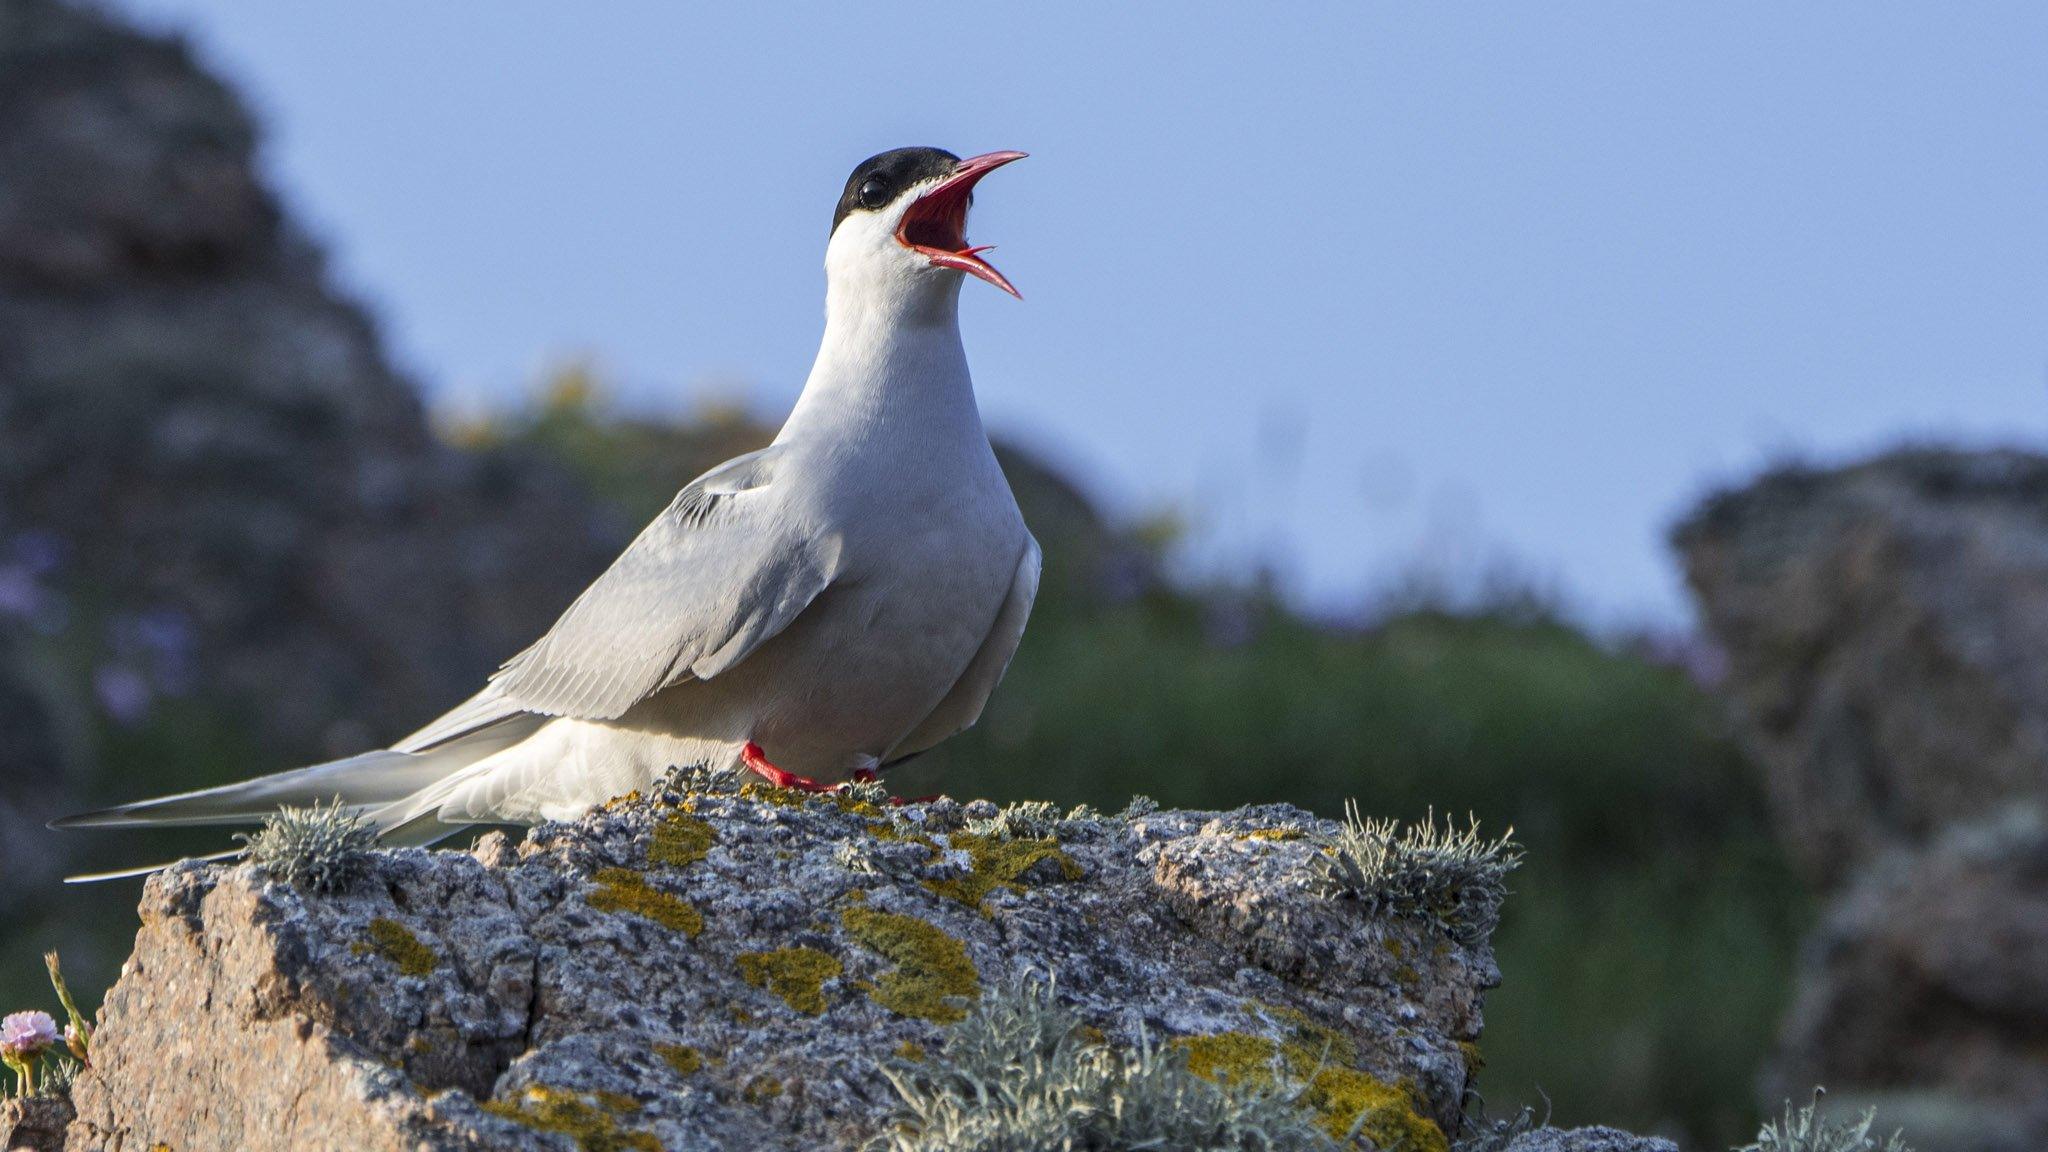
(1609, 421)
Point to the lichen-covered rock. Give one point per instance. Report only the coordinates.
(720, 969)
(1924, 993)
(1586, 1140)
(1886, 627)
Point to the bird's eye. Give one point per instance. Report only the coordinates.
(873, 194)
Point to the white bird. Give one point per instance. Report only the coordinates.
(838, 601)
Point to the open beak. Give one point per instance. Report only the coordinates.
(936, 222)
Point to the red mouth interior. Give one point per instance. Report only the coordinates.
(935, 224)
(937, 221)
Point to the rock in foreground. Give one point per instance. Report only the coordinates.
(734, 970)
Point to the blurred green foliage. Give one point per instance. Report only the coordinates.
(1647, 944)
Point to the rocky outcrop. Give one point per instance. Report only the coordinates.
(1926, 990)
(217, 497)
(718, 969)
(1886, 627)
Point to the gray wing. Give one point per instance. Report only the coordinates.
(964, 701)
(700, 588)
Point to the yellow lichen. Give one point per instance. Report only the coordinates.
(1275, 834)
(396, 943)
(797, 975)
(684, 1059)
(623, 890)
(680, 841)
(594, 1129)
(998, 863)
(1344, 1099)
(933, 971)
(910, 1050)
(1473, 1057)
(761, 1089)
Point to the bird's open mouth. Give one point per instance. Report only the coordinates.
(936, 222)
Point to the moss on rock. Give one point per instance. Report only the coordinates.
(624, 890)
(995, 862)
(683, 1059)
(396, 943)
(933, 971)
(593, 1128)
(1344, 1099)
(797, 975)
(680, 840)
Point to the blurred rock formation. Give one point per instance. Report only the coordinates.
(1886, 625)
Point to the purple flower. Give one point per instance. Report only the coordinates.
(26, 1035)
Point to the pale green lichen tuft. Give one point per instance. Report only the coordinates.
(680, 840)
(1806, 1129)
(703, 780)
(1022, 1074)
(624, 890)
(1030, 820)
(1448, 876)
(933, 972)
(1138, 808)
(594, 1127)
(395, 942)
(324, 849)
(797, 975)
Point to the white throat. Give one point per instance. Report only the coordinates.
(891, 353)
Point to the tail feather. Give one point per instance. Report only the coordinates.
(147, 869)
(371, 779)
(398, 791)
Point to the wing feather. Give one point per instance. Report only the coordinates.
(711, 579)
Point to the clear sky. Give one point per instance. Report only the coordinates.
(1360, 289)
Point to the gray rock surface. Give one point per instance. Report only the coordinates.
(1925, 991)
(1587, 1140)
(730, 971)
(1886, 626)
(34, 1125)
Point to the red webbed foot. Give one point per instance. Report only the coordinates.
(757, 762)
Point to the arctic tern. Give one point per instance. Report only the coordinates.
(840, 600)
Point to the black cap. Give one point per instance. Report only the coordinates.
(879, 180)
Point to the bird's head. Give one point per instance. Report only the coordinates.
(900, 228)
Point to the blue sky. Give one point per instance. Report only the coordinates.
(1368, 289)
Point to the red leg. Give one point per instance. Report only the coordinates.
(757, 762)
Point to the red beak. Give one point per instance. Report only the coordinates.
(936, 222)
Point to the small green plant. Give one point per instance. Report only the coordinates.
(1448, 875)
(1806, 1129)
(324, 849)
(28, 1040)
(703, 780)
(1021, 1074)
(1030, 820)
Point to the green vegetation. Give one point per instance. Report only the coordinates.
(1808, 1129)
(322, 848)
(1024, 1073)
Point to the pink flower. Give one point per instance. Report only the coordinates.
(27, 1034)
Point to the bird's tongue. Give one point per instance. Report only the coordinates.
(936, 223)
